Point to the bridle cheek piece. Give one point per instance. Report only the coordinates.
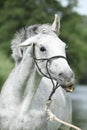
(48, 75)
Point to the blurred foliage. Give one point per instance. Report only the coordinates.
(5, 67)
(17, 14)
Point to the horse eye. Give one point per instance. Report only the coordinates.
(42, 49)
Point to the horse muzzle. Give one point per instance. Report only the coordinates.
(68, 88)
(67, 82)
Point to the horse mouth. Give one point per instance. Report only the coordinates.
(69, 88)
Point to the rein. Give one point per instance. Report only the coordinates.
(47, 68)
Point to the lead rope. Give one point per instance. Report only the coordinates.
(49, 101)
(53, 117)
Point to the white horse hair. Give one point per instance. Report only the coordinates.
(24, 94)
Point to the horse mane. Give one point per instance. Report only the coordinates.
(22, 35)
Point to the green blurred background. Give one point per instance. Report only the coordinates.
(20, 13)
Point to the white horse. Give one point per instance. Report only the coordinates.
(38, 52)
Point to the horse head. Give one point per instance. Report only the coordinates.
(49, 54)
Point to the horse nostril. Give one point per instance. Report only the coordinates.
(66, 75)
(72, 76)
(61, 75)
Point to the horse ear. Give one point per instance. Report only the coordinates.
(29, 41)
(56, 24)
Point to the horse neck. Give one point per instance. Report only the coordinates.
(31, 88)
(21, 84)
(29, 79)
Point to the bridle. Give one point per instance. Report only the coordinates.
(47, 68)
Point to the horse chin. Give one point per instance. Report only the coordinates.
(69, 88)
